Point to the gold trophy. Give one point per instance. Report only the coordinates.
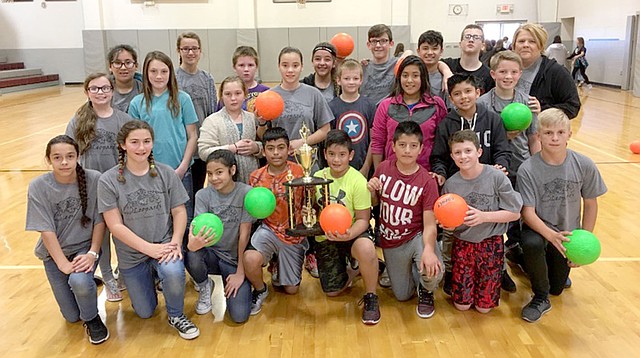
(306, 157)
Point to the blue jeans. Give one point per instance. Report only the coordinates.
(206, 261)
(140, 281)
(75, 293)
(187, 182)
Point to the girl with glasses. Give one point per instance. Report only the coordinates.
(123, 64)
(95, 127)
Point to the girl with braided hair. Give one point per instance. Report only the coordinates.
(95, 127)
(143, 203)
(62, 206)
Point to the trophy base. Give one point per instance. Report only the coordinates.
(301, 230)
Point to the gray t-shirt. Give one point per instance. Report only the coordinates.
(520, 144)
(121, 100)
(328, 93)
(102, 154)
(202, 89)
(230, 209)
(435, 83)
(555, 191)
(145, 203)
(528, 75)
(378, 80)
(489, 191)
(304, 104)
(56, 207)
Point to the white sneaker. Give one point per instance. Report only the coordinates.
(203, 306)
(257, 300)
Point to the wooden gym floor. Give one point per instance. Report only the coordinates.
(598, 316)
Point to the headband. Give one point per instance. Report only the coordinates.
(329, 49)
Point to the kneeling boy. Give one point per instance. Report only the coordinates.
(334, 251)
(406, 193)
(478, 251)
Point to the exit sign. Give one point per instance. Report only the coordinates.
(505, 8)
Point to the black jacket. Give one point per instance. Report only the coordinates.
(490, 131)
(554, 87)
(311, 81)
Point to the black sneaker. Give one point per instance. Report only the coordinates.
(371, 311)
(515, 257)
(507, 283)
(446, 286)
(257, 299)
(184, 326)
(426, 307)
(535, 309)
(96, 330)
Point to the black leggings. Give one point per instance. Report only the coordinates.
(582, 72)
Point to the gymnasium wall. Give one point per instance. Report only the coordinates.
(54, 37)
(603, 26)
(48, 38)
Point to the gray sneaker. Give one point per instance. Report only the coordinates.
(535, 309)
(184, 326)
(384, 279)
(257, 299)
(203, 306)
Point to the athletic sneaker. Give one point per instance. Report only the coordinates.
(515, 257)
(96, 330)
(507, 283)
(195, 284)
(384, 279)
(185, 327)
(371, 311)
(120, 280)
(426, 307)
(203, 305)
(111, 288)
(257, 299)
(568, 283)
(535, 309)
(447, 282)
(311, 265)
(121, 285)
(272, 268)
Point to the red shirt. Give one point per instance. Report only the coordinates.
(279, 220)
(403, 200)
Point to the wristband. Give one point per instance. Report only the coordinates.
(264, 124)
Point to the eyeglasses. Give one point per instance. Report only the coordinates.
(104, 89)
(126, 64)
(472, 37)
(379, 41)
(187, 49)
